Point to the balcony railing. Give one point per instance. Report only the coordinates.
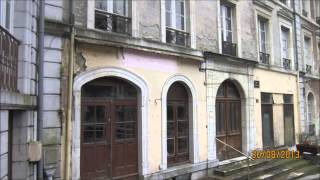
(112, 22)
(177, 37)
(286, 63)
(229, 48)
(308, 69)
(304, 13)
(318, 20)
(8, 60)
(264, 58)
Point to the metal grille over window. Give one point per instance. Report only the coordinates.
(112, 16)
(228, 47)
(175, 23)
(286, 63)
(8, 60)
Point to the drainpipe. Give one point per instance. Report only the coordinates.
(297, 69)
(67, 140)
(40, 83)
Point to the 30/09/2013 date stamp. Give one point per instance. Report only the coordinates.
(275, 154)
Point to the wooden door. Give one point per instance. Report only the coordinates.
(267, 126)
(124, 139)
(177, 125)
(228, 121)
(96, 141)
(289, 139)
(109, 130)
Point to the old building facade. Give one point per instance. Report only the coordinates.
(157, 89)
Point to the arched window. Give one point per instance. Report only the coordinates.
(177, 124)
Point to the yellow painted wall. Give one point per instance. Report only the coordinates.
(155, 74)
(276, 83)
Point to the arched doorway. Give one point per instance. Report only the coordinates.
(310, 115)
(228, 120)
(177, 125)
(109, 129)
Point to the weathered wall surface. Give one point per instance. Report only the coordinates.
(155, 70)
(277, 83)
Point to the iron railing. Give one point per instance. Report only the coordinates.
(264, 58)
(308, 69)
(318, 20)
(177, 37)
(8, 60)
(248, 158)
(286, 63)
(304, 13)
(229, 48)
(112, 22)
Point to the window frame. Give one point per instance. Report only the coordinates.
(173, 15)
(307, 53)
(6, 18)
(223, 19)
(110, 7)
(285, 31)
(266, 31)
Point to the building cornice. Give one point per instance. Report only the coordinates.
(228, 58)
(262, 4)
(117, 40)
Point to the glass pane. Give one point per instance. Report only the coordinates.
(89, 114)
(168, 19)
(88, 133)
(228, 24)
(180, 7)
(102, 4)
(287, 99)
(170, 129)
(228, 12)
(266, 98)
(182, 145)
(98, 91)
(120, 131)
(119, 7)
(170, 146)
(100, 113)
(168, 5)
(220, 92)
(229, 36)
(169, 113)
(125, 130)
(100, 133)
(181, 112)
(125, 113)
(183, 128)
(179, 22)
(232, 91)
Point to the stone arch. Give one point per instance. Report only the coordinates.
(143, 95)
(192, 121)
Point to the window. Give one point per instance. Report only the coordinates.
(305, 7)
(284, 1)
(176, 22)
(310, 123)
(263, 44)
(112, 15)
(227, 30)
(288, 119)
(286, 62)
(307, 54)
(5, 13)
(226, 23)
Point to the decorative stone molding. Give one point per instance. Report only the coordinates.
(194, 149)
(143, 96)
